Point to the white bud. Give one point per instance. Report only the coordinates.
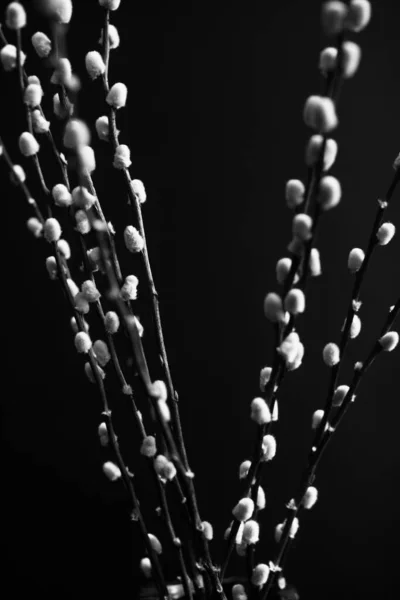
(355, 260)
(133, 240)
(15, 16)
(294, 527)
(103, 128)
(117, 95)
(314, 149)
(81, 304)
(282, 269)
(27, 144)
(273, 309)
(82, 198)
(333, 17)
(331, 354)
(358, 16)
(76, 134)
(148, 447)
(51, 266)
(145, 567)
(208, 530)
(289, 347)
(102, 353)
(33, 95)
(268, 447)
(139, 190)
(389, 341)
(122, 157)
(155, 543)
(260, 575)
(320, 114)
(294, 192)
(317, 417)
(238, 592)
(244, 469)
(41, 44)
(339, 395)
(275, 411)
(102, 432)
(113, 37)
(295, 301)
(164, 467)
(328, 60)
(129, 288)
(62, 74)
(159, 390)
(94, 64)
(72, 287)
(64, 249)
(351, 59)
(8, 57)
(165, 413)
(110, 4)
(278, 531)
(261, 501)
(58, 10)
(18, 175)
(260, 412)
(52, 230)
(39, 123)
(315, 263)
(90, 291)
(243, 509)
(61, 195)
(355, 327)
(385, 233)
(265, 375)
(86, 157)
(82, 222)
(302, 226)
(310, 497)
(329, 192)
(251, 532)
(111, 322)
(35, 226)
(83, 342)
(111, 471)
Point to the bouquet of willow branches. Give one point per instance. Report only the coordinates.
(112, 304)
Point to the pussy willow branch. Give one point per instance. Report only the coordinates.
(293, 508)
(126, 475)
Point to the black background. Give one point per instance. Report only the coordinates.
(214, 123)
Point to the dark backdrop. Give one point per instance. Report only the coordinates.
(214, 122)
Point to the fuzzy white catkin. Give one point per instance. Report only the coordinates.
(145, 567)
(82, 198)
(310, 497)
(41, 43)
(82, 222)
(8, 57)
(15, 16)
(58, 10)
(122, 157)
(358, 16)
(83, 342)
(273, 308)
(102, 353)
(355, 260)
(28, 145)
(243, 509)
(320, 114)
(110, 4)
(295, 301)
(139, 190)
(73, 288)
(339, 395)
(389, 341)
(33, 95)
(260, 412)
(90, 291)
(86, 157)
(355, 327)
(265, 376)
(117, 95)
(103, 128)
(238, 592)
(164, 467)
(155, 543)
(62, 73)
(327, 60)
(113, 37)
(289, 346)
(351, 59)
(111, 471)
(34, 226)
(333, 15)
(331, 354)
(244, 469)
(39, 123)
(76, 134)
(302, 226)
(64, 249)
(52, 230)
(133, 240)
(278, 531)
(268, 447)
(261, 500)
(294, 192)
(385, 233)
(81, 304)
(51, 266)
(61, 195)
(102, 433)
(329, 192)
(282, 269)
(94, 64)
(314, 149)
(129, 288)
(294, 527)
(315, 263)
(316, 419)
(208, 530)
(260, 575)
(159, 390)
(165, 413)
(18, 175)
(111, 322)
(148, 447)
(251, 532)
